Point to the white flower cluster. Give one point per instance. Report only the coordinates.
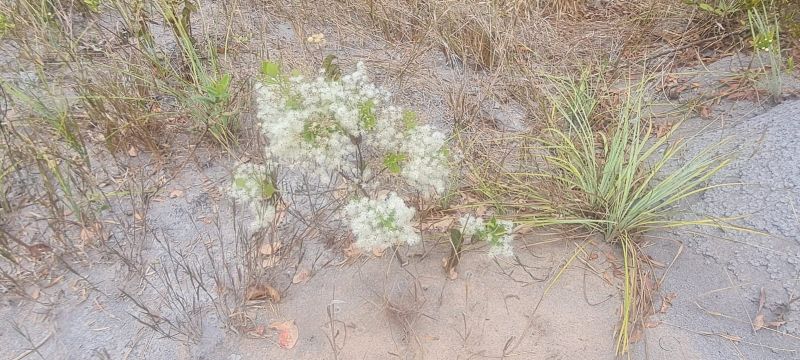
(327, 124)
(471, 225)
(498, 233)
(314, 124)
(253, 186)
(383, 222)
(426, 168)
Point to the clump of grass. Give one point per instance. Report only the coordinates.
(619, 180)
(765, 32)
(613, 176)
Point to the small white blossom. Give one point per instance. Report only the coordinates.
(498, 233)
(499, 237)
(253, 186)
(470, 225)
(264, 215)
(382, 222)
(427, 167)
(503, 249)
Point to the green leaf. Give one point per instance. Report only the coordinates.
(394, 162)
(267, 189)
(238, 183)
(332, 70)
(366, 113)
(456, 238)
(270, 70)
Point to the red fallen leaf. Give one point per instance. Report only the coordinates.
(287, 333)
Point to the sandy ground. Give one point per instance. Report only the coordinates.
(84, 305)
(377, 310)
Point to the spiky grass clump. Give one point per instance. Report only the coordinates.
(613, 180)
(621, 180)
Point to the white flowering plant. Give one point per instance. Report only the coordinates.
(344, 125)
(497, 233)
(254, 185)
(382, 221)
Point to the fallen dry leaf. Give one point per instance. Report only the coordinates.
(39, 250)
(452, 274)
(35, 292)
(269, 262)
(176, 193)
(666, 302)
(608, 276)
(775, 324)
(758, 322)
(636, 336)
(450, 267)
(651, 324)
(91, 233)
(662, 130)
(341, 192)
(523, 230)
(270, 248)
(133, 151)
(378, 251)
(262, 291)
(287, 333)
(442, 224)
(257, 331)
(301, 276)
(705, 112)
(352, 251)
